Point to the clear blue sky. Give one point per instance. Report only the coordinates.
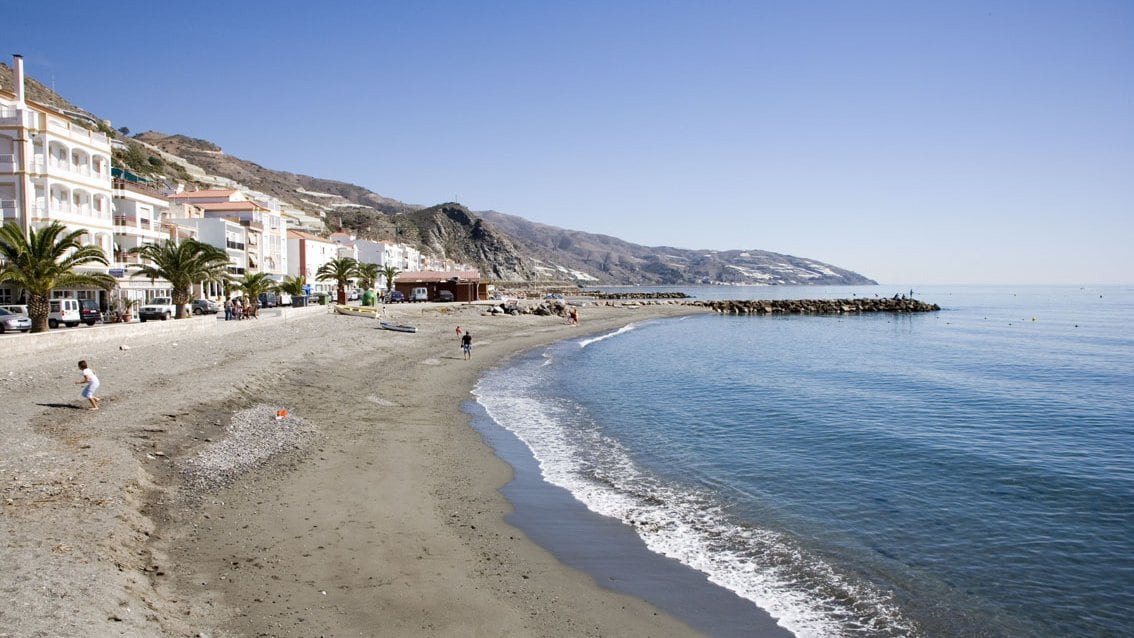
(912, 141)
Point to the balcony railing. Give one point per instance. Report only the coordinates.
(75, 131)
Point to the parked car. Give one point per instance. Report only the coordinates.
(16, 308)
(64, 311)
(353, 295)
(205, 307)
(396, 296)
(157, 308)
(269, 300)
(419, 294)
(12, 322)
(554, 296)
(89, 312)
(445, 295)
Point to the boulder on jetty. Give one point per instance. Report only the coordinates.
(816, 306)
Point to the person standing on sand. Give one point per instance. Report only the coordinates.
(466, 345)
(91, 380)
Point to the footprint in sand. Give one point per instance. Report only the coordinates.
(432, 362)
(380, 401)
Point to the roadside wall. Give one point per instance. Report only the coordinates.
(138, 332)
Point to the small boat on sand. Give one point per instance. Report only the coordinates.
(396, 327)
(369, 312)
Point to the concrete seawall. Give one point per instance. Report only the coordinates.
(137, 332)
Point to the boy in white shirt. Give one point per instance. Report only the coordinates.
(91, 380)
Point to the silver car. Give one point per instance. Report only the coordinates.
(13, 321)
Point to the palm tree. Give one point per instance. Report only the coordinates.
(389, 272)
(294, 286)
(253, 285)
(367, 275)
(182, 264)
(341, 271)
(46, 259)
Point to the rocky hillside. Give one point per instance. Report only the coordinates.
(450, 230)
(503, 247)
(312, 194)
(579, 256)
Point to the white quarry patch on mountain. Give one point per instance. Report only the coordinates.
(821, 269)
(304, 191)
(781, 267)
(577, 275)
(319, 206)
(351, 205)
(749, 272)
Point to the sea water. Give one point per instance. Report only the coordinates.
(967, 472)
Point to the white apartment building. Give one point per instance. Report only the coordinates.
(266, 240)
(141, 217)
(52, 169)
(228, 235)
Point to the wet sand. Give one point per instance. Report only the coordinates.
(385, 520)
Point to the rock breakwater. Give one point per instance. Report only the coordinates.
(815, 306)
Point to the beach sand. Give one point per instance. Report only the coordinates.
(378, 514)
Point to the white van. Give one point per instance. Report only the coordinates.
(64, 311)
(419, 294)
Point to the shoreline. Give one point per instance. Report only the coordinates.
(391, 522)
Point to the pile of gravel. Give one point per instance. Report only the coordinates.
(253, 436)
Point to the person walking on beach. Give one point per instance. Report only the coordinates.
(228, 309)
(91, 380)
(466, 345)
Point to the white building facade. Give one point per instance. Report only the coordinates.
(53, 170)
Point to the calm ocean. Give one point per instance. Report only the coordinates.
(968, 472)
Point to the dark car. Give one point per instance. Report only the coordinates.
(396, 297)
(445, 295)
(269, 300)
(89, 312)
